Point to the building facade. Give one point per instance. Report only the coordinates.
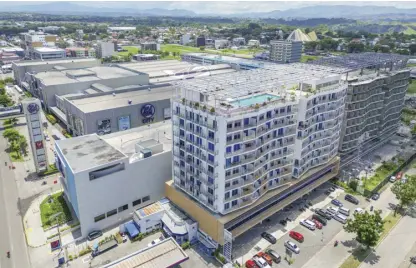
(105, 181)
(32, 39)
(285, 51)
(47, 53)
(105, 49)
(149, 46)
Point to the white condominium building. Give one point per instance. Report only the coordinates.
(238, 137)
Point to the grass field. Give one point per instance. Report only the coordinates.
(179, 49)
(381, 173)
(409, 31)
(412, 88)
(57, 205)
(359, 254)
(246, 53)
(133, 50)
(306, 58)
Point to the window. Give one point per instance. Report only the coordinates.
(137, 202)
(146, 198)
(111, 212)
(235, 182)
(234, 192)
(210, 158)
(228, 149)
(227, 184)
(123, 208)
(210, 190)
(99, 218)
(226, 206)
(211, 146)
(227, 195)
(234, 203)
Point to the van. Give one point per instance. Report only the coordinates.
(344, 211)
(341, 218)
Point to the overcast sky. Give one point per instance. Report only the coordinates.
(227, 7)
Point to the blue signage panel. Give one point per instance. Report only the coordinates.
(148, 112)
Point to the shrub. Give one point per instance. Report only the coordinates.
(257, 106)
(212, 110)
(51, 119)
(186, 245)
(353, 185)
(85, 251)
(70, 257)
(119, 238)
(139, 237)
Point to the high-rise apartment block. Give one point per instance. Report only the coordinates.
(285, 51)
(105, 49)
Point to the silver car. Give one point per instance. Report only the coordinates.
(292, 246)
(308, 224)
(333, 211)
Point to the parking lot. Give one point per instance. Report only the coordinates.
(313, 240)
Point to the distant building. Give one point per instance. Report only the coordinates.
(105, 49)
(200, 41)
(15, 50)
(49, 29)
(79, 34)
(31, 40)
(144, 57)
(7, 58)
(209, 42)
(47, 53)
(253, 43)
(220, 43)
(239, 41)
(298, 35)
(285, 51)
(184, 39)
(80, 52)
(149, 46)
(121, 29)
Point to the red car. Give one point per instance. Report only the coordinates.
(318, 224)
(399, 176)
(297, 236)
(251, 264)
(265, 256)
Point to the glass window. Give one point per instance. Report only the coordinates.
(228, 149)
(227, 195)
(226, 206)
(99, 218)
(210, 180)
(146, 198)
(234, 192)
(211, 146)
(246, 121)
(137, 202)
(211, 157)
(234, 203)
(111, 212)
(122, 208)
(235, 182)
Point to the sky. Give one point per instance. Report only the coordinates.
(225, 7)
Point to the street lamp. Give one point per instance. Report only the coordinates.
(56, 216)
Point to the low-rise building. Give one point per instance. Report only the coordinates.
(80, 52)
(185, 39)
(253, 43)
(200, 41)
(221, 43)
(239, 41)
(106, 179)
(149, 46)
(48, 53)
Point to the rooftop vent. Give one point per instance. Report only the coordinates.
(114, 94)
(129, 101)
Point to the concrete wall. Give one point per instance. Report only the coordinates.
(117, 189)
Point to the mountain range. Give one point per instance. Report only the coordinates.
(319, 11)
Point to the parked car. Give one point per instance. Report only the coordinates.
(94, 234)
(392, 179)
(336, 202)
(274, 255)
(266, 257)
(262, 263)
(319, 218)
(283, 222)
(308, 224)
(332, 211)
(332, 189)
(352, 199)
(269, 237)
(359, 211)
(251, 264)
(317, 223)
(297, 236)
(292, 246)
(375, 196)
(323, 213)
(399, 175)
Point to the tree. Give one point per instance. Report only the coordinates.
(367, 227)
(11, 134)
(405, 192)
(202, 48)
(22, 142)
(5, 100)
(412, 49)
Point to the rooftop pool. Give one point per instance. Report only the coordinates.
(253, 100)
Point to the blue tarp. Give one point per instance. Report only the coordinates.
(132, 229)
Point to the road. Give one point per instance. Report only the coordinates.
(11, 227)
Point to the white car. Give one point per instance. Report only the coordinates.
(308, 224)
(392, 179)
(292, 246)
(154, 242)
(332, 210)
(47, 138)
(359, 211)
(261, 262)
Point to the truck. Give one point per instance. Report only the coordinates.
(98, 249)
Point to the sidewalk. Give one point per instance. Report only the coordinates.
(263, 244)
(329, 256)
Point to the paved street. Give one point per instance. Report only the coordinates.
(331, 257)
(11, 228)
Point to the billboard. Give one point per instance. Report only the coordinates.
(104, 126)
(124, 122)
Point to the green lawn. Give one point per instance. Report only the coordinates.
(412, 88)
(306, 58)
(133, 50)
(381, 173)
(47, 209)
(411, 65)
(179, 49)
(359, 254)
(409, 31)
(186, 49)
